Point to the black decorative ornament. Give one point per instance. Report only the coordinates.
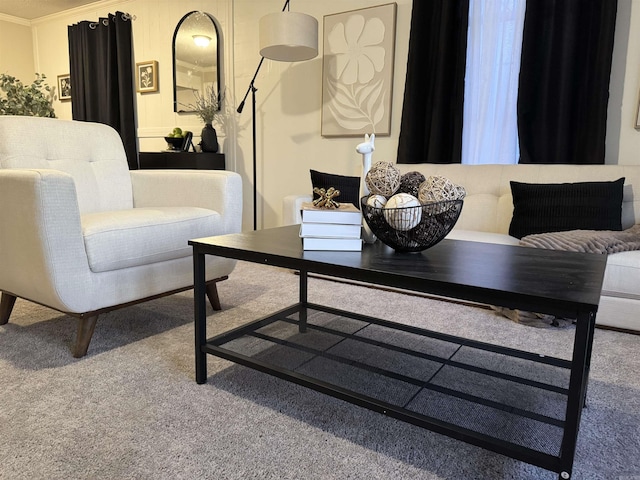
(410, 183)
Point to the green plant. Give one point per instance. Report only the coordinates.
(207, 105)
(34, 100)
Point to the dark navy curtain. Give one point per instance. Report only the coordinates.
(431, 127)
(563, 93)
(101, 70)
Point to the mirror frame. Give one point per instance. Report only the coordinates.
(217, 29)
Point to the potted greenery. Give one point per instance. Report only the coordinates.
(34, 100)
(208, 106)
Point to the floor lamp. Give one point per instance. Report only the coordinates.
(286, 37)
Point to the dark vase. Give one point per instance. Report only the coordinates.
(209, 139)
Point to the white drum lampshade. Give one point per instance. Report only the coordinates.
(288, 36)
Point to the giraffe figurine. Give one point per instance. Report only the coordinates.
(366, 148)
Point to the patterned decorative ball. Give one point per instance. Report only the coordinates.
(374, 218)
(403, 211)
(383, 178)
(437, 188)
(376, 201)
(410, 183)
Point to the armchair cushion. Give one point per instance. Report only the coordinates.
(217, 190)
(139, 236)
(91, 153)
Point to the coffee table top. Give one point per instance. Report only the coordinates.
(545, 281)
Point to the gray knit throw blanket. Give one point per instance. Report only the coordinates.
(587, 241)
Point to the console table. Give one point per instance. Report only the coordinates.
(190, 160)
(516, 403)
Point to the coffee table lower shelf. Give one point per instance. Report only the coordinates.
(505, 400)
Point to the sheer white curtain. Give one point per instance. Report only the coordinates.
(489, 133)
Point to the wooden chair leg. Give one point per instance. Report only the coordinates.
(86, 325)
(212, 294)
(7, 302)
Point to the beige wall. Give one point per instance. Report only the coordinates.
(152, 35)
(623, 140)
(289, 101)
(16, 49)
(289, 95)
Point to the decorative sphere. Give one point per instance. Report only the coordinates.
(437, 188)
(410, 183)
(376, 201)
(383, 178)
(399, 215)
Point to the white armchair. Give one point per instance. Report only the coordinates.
(82, 234)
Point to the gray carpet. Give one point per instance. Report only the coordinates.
(131, 408)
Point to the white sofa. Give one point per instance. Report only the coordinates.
(82, 234)
(488, 208)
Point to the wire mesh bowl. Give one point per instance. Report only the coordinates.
(412, 229)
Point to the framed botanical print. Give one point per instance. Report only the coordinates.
(147, 76)
(357, 71)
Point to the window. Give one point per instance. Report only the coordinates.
(494, 43)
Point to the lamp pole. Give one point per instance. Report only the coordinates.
(252, 88)
(295, 49)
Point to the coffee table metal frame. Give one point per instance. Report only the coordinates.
(568, 285)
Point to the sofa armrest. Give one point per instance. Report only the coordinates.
(218, 190)
(291, 206)
(41, 246)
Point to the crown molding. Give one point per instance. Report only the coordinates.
(11, 19)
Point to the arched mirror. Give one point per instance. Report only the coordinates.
(196, 59)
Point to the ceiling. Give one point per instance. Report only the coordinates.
(30, 9)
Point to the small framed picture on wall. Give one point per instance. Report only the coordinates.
(64, 87)
(147, 76)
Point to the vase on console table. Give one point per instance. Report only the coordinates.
(209, 139)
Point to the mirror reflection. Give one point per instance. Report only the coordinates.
(196, 59)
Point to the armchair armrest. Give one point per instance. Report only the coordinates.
(41, 246)
(218, 190)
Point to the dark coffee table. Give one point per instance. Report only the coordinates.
(520, 404)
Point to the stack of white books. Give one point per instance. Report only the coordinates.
(331, 229)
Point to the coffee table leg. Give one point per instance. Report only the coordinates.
(200, 317)
(303, 301)
(588, 365)
(580, 362)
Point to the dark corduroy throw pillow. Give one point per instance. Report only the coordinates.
(349, 186)
(560, 207)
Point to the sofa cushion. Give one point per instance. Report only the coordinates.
(483, 237)
(622, 276)
(349, 186)
(559, 207)
(140, 236)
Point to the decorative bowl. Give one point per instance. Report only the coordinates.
(412, 229)
(175, 142)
